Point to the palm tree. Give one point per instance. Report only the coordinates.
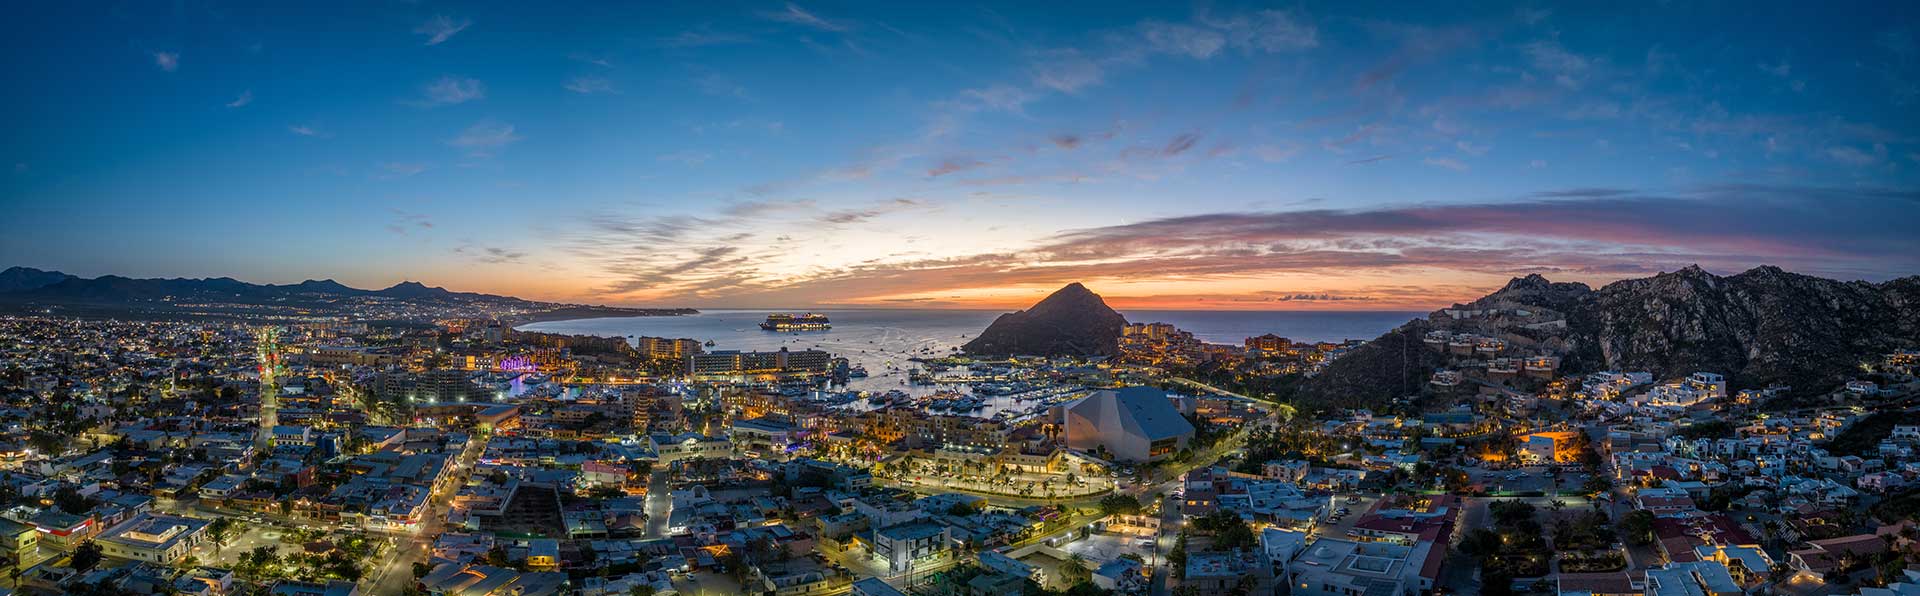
(1074, 570)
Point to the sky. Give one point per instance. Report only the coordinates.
(1352, 155)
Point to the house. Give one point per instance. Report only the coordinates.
(1119, 575)
(1697, 578)
(1822, 556)
(1219, 573)
(1334, 567)
(1597, 584)
(873, 586)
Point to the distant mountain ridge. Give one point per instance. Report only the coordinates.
(16, 279)
(1072, 321)
(23, 283)
(28, 289)
(1761, 327)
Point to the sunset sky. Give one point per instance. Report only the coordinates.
(1372, 156)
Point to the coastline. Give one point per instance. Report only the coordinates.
(574, 313)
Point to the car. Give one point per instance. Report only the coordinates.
(1145, 544)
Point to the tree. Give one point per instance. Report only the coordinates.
(1118, 504)
(85, 556)
(219, 531)
(71, 501)
(1074, 570)
(1638, 527)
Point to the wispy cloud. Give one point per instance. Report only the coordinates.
(308, 130)
(600, 61)
(1183, 39)
(1272, 153)
(589, 85)
(396, 169)
(1445, 162)
(1001, 96)
(449, 90)
(703, 37)
(245, 98)
(1783, 71)
(485, 137)
(689, 157)
(1854, 156)
(492, 255)
(1066, 71)
(954, 164)
(404, 222)
(719, 85)
(795, 15)
(1267, 31)
(167, 61)
(1567, 68)
(1180, 144)
(441, 28)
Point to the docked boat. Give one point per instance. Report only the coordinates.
(857, 372)
(790, 322)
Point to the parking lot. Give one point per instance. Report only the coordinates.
(1528, 479)
(1356, 506)
(1102, 547)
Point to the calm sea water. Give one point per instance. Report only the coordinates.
(882, 340)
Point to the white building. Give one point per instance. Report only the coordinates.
(1133, 424)
(154, 538)
(906, 545)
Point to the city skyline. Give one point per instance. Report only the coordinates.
(829, 154)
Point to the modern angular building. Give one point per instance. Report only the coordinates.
(1133, 424)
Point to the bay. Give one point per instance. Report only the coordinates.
(882, 340)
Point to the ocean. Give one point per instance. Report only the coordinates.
(883, 339)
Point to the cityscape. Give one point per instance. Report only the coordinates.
(864, 299)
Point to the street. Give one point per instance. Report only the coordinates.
(396, 574)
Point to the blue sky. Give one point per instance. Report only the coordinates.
(1345, 155)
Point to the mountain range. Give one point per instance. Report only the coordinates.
(24, 288)
(28, 284)
(1760, 328)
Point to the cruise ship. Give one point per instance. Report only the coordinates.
(787, 322)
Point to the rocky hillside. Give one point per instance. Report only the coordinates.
(1760, 327)
(1073, 321)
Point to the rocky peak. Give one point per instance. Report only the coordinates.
(1072, 321)
(1535, 290)
(1533, 281)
